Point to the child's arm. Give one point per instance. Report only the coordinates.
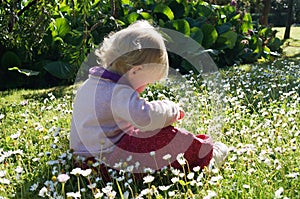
(146, 116)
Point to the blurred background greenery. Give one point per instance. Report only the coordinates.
(43, 43)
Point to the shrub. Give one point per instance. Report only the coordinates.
(48, 41)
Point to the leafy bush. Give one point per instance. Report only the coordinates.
(48, 41)
(231, 34)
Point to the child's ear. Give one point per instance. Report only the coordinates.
(135, 69)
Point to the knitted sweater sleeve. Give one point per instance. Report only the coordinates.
(146, 116)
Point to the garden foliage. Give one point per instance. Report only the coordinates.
(43, 43)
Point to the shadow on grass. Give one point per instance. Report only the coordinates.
(58, 92)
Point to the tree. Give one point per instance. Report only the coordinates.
(289, 20)
(265, 12)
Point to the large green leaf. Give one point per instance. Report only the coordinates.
(227, 40)
(60, 69)
(132, 17)
(181, 25)
(164, 9)
(210, 35)
(60, 27)
(197, 34)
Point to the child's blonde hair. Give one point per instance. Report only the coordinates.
(138, 44)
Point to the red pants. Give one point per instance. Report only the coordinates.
(149, 149)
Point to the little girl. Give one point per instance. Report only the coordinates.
(111, 122)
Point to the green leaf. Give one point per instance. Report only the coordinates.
(197, 34)
(265, 32)
(121, 23)
(145, 15)
(60, 27)
(204, 11)
(178, 9)
(10, 59)
(210, 35)
(266, 51)
(182, 26)
(125, 2)
(132, 17)
(164, 9)
(227, 39)
(60, 69)
(181, 182)
(26, 72)
(224, 28)
(274, 44)
(247, 23)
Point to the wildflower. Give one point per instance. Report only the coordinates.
(145, 192)
(171, 193)
(129, 158)
(164, 188)
(246, 186)
(96, 164)
(34, 187)
(180, 158)
(53, 162)
(74, 195)
(293, 175)
(130, 168)
(215, 179)
(43, 192)
(278, 193)
(86, 172)
(175, 172)
(16, 135)
(76, 171)
(181, 175)
(126, 194)
(136, 165)
(2, 173)
(98, 195)
(107, 189)
(118, 165)
(111, 194)
(63, 178)
(233, 3)
(148, 170)
(53, 178)
(190, 176)
(174, 180)
(196, 169)
(4, 181)
(148, 179)
(119, 179)
(210, 194)
(167, 157)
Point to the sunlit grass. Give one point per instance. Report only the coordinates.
(260, 123)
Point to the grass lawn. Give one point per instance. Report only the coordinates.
(291, 47)
(260, 124)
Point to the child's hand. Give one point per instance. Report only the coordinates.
(181, 114)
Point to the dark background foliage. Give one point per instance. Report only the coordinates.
(43, 43)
